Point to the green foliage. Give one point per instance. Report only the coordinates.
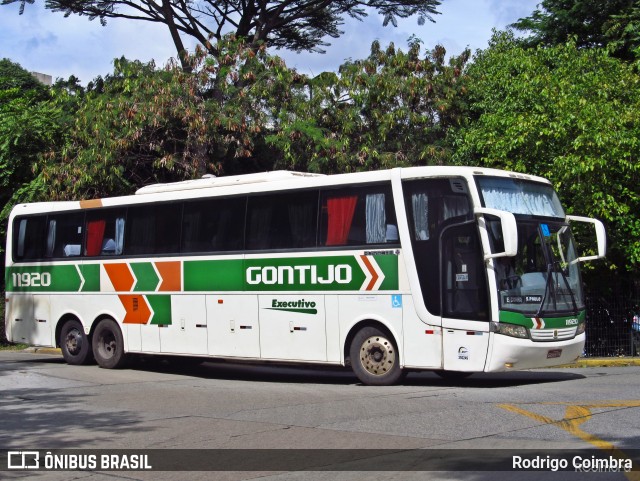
(390, 109)
(13, 76)
(589, 23)
(142, 125)
(31, 124)
(567, 114)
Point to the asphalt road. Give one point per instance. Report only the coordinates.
(46, 404)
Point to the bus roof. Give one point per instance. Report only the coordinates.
(209, 180)
(260, 183)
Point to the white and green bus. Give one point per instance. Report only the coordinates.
(449, 269)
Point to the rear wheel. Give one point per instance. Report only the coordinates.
(108, 345)
(75, 345)
(374, 357)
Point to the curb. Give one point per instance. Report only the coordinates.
(606, 362)
(43, 350)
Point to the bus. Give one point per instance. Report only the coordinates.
(449, 269)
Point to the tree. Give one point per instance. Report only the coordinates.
(567, 114)
(31, 124)
(592, 23)
(392, 108)
(294, 24)
(145, 125)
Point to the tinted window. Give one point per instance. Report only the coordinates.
(65, 234)
(282, 221)
(105, 233)
(153, 229)
(432, 205)
(29, 236)
(213, 225)
(358, 216)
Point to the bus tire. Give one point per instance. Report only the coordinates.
(108, 345)
(374, 357)
(74, 344)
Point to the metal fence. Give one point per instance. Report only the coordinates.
(613, 325)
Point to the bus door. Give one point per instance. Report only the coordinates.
(450, 267)
(465, 306)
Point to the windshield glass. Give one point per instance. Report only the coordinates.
(543, 279)
(520, 196)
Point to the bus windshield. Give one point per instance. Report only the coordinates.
(543, 279)
(520, 196)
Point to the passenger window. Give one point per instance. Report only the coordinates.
(282, 221)
(105, 233)
(65, 234)
(29, 234)
(153, 229)
(213, 225)
(360, 216)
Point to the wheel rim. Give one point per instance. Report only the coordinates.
(107, 346)
(377, 355)
(73, 341)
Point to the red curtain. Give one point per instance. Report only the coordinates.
(340, 215)
(95, 236)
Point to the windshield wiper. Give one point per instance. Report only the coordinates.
(546, 289)
(553, 267)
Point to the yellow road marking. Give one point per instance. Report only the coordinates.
(575, 415)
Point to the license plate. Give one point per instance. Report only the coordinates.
(553, 353)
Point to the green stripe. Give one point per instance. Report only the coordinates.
(147, 279)
(51, 278)
(297, 311)
(549, 322)
(161, 305)
(91, 274)
(321, 273)
(219, 275)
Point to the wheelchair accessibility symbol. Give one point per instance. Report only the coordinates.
(396, 301)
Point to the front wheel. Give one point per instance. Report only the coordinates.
(74, 344)
(108, 345)
(374, 357)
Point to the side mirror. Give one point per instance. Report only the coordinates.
(509, 231)
(601, 236)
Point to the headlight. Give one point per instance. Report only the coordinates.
(512, 330)
(581, 327)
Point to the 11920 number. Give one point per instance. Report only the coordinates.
(31, 279)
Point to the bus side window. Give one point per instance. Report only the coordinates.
(29, 238)
(282, 221)
(105, 233)
(153, 229)
(358, 216)
(213, 225)
(64, 236)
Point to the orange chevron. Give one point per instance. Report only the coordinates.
(120, 276)
(372, 271)
(170, 273)
(138, 311)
